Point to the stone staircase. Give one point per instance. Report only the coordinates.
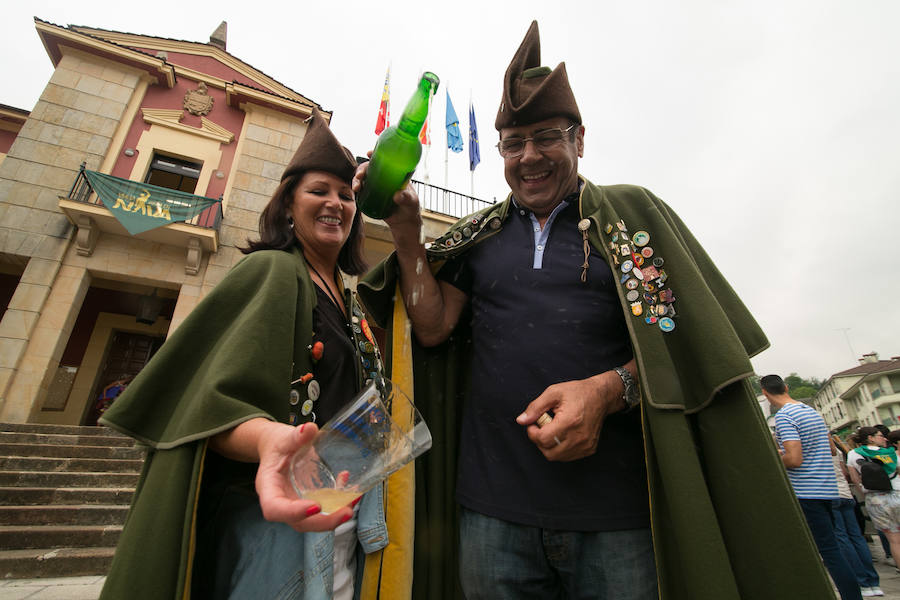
(64, 495)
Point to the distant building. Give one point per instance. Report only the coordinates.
(867, 394)
(11, 121)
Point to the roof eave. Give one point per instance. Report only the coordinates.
(56, 38)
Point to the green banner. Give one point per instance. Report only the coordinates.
(141, 206)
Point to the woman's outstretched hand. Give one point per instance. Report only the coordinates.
(273, 444)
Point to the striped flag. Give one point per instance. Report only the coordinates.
(384, 110)
(425, 134)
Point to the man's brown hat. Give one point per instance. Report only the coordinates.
(532, 93)
(321, 151)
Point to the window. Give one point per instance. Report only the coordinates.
(173, 173)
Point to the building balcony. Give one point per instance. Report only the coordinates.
(199, 234)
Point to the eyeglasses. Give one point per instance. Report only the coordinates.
(546, 139)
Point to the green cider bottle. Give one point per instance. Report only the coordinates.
(396, 153)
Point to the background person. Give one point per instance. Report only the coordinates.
(883, 507)
(850, 539)
(271, 347)
(806, 453)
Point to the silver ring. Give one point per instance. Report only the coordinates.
(556, 439)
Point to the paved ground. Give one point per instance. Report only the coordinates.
(88, 588)
(61, 588)
(890, 578)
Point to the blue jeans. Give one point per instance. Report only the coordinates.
(821, 518)
(499, 560)
(852, 543)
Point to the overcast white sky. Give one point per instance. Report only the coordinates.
(771, 127)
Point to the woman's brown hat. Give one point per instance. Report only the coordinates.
(321, 151)
(532, 93)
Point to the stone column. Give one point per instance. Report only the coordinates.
(52, 309)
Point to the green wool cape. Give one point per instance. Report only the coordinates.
(232, 359)
(726, 524)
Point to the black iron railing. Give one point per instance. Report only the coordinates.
(81, 191)
(447, 202)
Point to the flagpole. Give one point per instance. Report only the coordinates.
(446, 139)
(388, 111)
(428, 134)
(471, 171)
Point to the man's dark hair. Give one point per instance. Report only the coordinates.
(275, 232)
(882, 428)
(773, 384)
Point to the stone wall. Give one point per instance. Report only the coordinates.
(73, 122)
(268, 143)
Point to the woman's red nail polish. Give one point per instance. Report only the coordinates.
(301, 427)
(346, 518)
(312, 510)
(355, 502)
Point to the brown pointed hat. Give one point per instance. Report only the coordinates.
(532, 93)
(321, 151)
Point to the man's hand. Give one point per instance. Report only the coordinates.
(434, 308)
(405, 220)
(579, 408)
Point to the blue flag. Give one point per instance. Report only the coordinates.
(474, 151)
(454, 137)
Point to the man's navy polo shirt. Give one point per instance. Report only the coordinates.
(535, 323)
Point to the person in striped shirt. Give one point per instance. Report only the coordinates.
(802, 439)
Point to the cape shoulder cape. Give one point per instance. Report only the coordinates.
(714, 519)
(229, 361)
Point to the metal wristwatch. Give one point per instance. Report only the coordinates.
(632, 395)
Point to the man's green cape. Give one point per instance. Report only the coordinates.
(726, 524)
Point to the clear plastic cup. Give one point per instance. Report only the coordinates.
(374, 435)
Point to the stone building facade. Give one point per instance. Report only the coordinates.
(87, 303)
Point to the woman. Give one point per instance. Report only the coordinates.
(846, 526)
(883, 506)
(276, 344)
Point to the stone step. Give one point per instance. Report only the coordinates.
(57, 562)
(39, 439)
(33, 496)
(18, 537)
(60, 429)
(60, 451)
(62, 480)
(75, 514)
(80, 465)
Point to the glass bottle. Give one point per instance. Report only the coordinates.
(396, 153)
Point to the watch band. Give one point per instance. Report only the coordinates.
(630, 394)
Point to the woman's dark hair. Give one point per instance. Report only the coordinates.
(276, 233)
(863, 434)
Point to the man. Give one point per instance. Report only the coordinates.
(546, 312)
(806, 450)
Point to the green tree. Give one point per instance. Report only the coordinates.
(798, 387)
(803, 391)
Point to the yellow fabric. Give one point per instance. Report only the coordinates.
(192, 544)
(388, 572)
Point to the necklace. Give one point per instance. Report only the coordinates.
(339, 305)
